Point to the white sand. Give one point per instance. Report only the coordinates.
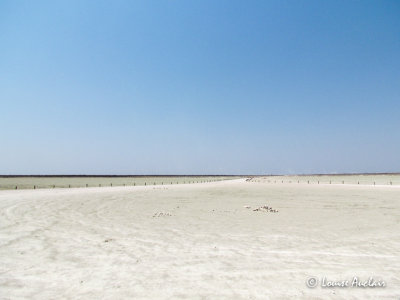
(199, 241)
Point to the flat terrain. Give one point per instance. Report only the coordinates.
(199, 241)
(31, 182)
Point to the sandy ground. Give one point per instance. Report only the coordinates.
(199, 241)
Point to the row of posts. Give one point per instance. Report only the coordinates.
(134, 184)
(308, 181)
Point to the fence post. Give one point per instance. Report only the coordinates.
(86, 185)
(69, 185)
(111, 183)
(34, 187)
(16, 187)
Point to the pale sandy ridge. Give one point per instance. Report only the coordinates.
(116, 189)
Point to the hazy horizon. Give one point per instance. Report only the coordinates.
(192, 175)
(227, 87)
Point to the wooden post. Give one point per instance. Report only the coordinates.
(134, 183)
(69, 185)
(34, 187)
(111, 183)
(16, 187)
(86, 185)
(99, 184)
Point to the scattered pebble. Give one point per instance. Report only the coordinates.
(162, 214)
(266, 209)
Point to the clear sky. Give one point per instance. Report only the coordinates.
(199, 87)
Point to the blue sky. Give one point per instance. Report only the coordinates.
(199, 87)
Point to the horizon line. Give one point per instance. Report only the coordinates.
(195, 175)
